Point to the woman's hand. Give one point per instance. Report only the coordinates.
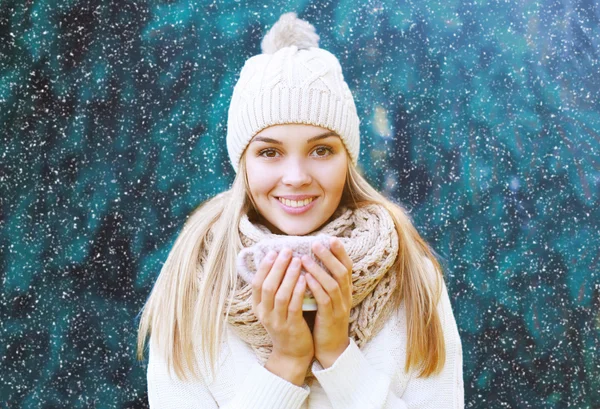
(333, 294)
(278, 306)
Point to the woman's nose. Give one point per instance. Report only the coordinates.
(296, 172)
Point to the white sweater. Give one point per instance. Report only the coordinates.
(369, 378)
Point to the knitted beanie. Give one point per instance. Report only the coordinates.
(293, 81)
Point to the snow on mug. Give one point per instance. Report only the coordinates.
(250, 258)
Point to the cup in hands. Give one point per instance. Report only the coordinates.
(250, 258)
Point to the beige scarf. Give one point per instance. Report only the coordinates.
(370, 239)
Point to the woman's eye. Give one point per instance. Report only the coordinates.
(326, 149)
(261, 153)
(320, 149)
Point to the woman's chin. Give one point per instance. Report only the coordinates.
(292, 230)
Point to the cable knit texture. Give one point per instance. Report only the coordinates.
(370, 377)
(369, 237)
(250, 257)
(291, 81)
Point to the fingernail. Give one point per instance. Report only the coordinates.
(271, 255)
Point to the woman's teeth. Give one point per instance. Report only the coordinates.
(294, 203)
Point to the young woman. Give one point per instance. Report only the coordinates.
(383, 334)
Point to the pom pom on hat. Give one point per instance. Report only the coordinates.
(287, 31)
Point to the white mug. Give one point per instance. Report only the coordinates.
(250, 258)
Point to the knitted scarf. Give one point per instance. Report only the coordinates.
(370, 240)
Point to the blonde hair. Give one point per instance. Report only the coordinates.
(182, 304)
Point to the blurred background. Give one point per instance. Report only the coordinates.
(481, 117)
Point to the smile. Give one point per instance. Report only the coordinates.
(296, 207)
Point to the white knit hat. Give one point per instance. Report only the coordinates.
(292, 81)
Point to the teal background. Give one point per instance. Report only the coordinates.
(482, 118)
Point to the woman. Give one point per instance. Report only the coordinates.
(383, 335)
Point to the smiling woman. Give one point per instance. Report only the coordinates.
(383, 334)
(298, 188)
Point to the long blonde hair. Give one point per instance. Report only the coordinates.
(183, 305)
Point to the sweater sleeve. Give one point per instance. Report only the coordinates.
(353, 383)
(258, 389)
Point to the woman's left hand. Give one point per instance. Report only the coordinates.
(333, 294)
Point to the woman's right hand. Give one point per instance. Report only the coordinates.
(278, 305)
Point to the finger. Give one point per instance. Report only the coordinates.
(284, 294)
(273, 280)
(344, 275)
(259, 277)
(324, 302)
(330, 260)
(339, 251)
(328, 282)
(295, 308)
(336, 267)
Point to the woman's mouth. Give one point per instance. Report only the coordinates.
(296, 207)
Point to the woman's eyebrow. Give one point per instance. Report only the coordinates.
(275, 141)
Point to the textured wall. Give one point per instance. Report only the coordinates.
(481, 117)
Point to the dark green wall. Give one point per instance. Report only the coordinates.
(482, 118)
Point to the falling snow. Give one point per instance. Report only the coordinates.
(481, 118)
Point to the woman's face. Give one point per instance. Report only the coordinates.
(291, 160)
